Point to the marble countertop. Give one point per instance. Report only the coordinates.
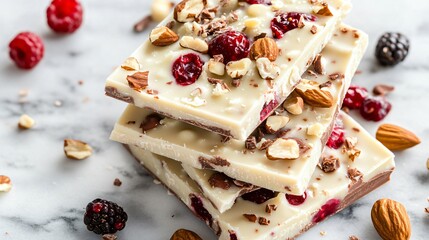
(50, 192)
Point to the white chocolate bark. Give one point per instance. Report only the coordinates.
(203, 149)
(236, 112)
(338, 189)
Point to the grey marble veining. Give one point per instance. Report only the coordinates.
(50, 192)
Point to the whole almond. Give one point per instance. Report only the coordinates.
(184, 234)
(163, 36)
(391, 220)
(264, 48)
(316, 97)
(396, 138)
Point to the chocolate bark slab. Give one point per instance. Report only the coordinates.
(238, 159)
(240, 110)
(283, 216)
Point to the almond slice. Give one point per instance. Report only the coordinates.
(396, 138)
(283, 149)
(163, 36)
(195, 44)
(275, 123)
(294, 105)
(76, 149)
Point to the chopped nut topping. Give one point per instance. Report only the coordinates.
(250, 217)
(267, 69)
(151, 121)
(220, 89)
(142, 25)
(25, 122)
(283, 149)
(163, 36)
(220, 180)
(294, 105)
(187, 10)
(195, 44)
(315, 130)
(275, 123)
(237, 69)
(138, 81)
(5, 183)
(109, 237)
(131, 64)
(323, 10)
(427, 163)
(216, 67)
(160, 9)
(117, 182)
(263, 221)
(76, 149)
(353, 237)
(350, 148)
(251, 143)
(313, 29)
(383, 89)
(329, 164)
(270, 208)
(354, 175)
(319, 64)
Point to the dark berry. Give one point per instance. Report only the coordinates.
(336, 140)
(187, 69)
(200, 210)
(259, 196)
(284, 22)
(268, 108)
(26, 50)
(354, 97)
(267, 2)
(232, 45)
(392, 48)
(296, 200)
(64, 16)
(104, 217)
(375, 108)
(326, 210)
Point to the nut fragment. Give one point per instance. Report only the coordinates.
(267, 70)
(163, 36)
(195, 44)
(216, 67)
(131, 64)
(5, 183)
(329, 164)
(294, 105)
(315, 130)
(264, 48)
(160, 9)
(275, 123)
(390, 219)
(251, 217)
(76, 149)
(283, 149)
(427, 163)
(323, 10)
(350, 148)
(220, 89)
(382, 89)
(187, 10)
(319, 64)
(25, 122)
(237, 69)
(138, 81)
(220, 180)
(396, 138)
(314, 96)
(184, 234)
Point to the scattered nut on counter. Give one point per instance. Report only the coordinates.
(184, 234)
(5, 183)
(427, 163)
(396, 138)
(76, 149)
(25, 122)
(391, 220)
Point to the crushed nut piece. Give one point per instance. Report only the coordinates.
(350, 148)
(25, 122)
(216, 67)
(138, 81)
(322, 233)
(270, 208)
(188, 10)
(131, 64)
(267, 69)
(383, 89)
(329, 164)
(353, 237)
(195, 44)
(117, 182)
(160, 9)
(294, 105)
(250, 217)
(237, 69)
(275, 123)
(151, 121)
(76, 149)
(313, 29)
(5, 183)
(220, 180)
(163, 36)
(283, 149)
(319, 64)
(142, 25)
(263, 221)
(251, 144)
(315, 130)
(109, 237)
(354, 175)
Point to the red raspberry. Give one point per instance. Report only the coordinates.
(64, 16)
(354, 97)
(284, 22)
(268, 2)
(296, 200)
(375, 108)
(187, 69)
(336, 140)
(232, 45)
(26, 50)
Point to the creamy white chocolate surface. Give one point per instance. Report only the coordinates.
(235, 112)
(287, 221)
(193, 145)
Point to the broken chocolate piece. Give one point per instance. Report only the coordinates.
(151, 121)
(220, 180)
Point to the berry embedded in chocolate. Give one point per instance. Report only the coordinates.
(392, 48)
(267, 2)
(232, 45)
(104, 217)
(375, 108)
(187, 69)
(26, 50)
(296, 200)
(285, 22)
(259, 196)
(336, 140)
(200, 210)
(326, 210)
(64, 16)
(355, 96)
(267, 109)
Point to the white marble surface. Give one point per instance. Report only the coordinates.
(50, 192)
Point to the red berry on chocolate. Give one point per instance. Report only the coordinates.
(199, 209)
(326, 210)
(375, 108)
(187, 69)
(232, 45)
(259, 196)
(64, 16)
(336, 140)
(26, 50)
(354, 97)
(267, 109)
(285, 22)
(296, 200)
(267, 2)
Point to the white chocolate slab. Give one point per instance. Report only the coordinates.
(196, 147)
(236, 113)
(287, 221)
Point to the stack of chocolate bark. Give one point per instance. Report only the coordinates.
(235, 107)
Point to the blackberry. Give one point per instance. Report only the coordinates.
(392, 48)
(104, 217)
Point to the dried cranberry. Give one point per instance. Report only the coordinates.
(200, 210)
(259, 196)
(233, 236)
(355, 96)
(296, 200)
(232, 45)
(268, 108)
(375, 108)
(187, 69)
(326, 210)
(267, 2)
(26, 50)
(64, 16)
(284, 22)
(336, 140)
